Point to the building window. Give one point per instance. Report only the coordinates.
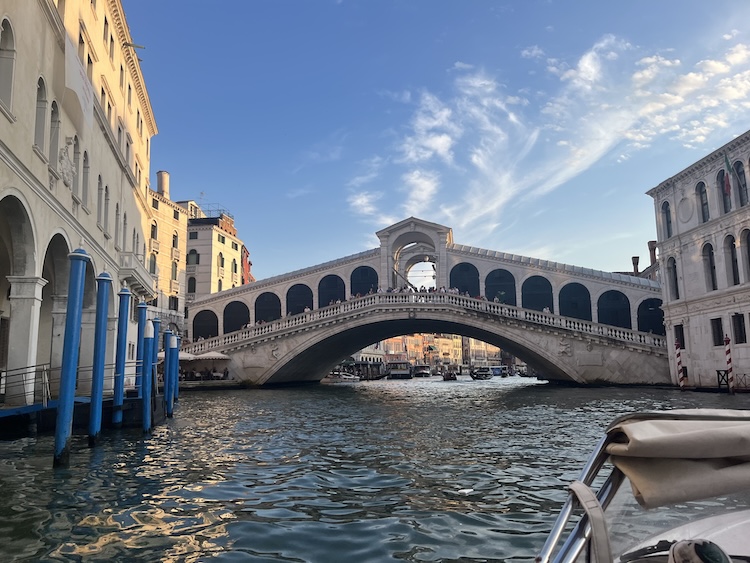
(54, 135)
(174, 271)
(152, 264)
(674, 288)
(738, 328)
(155, 203)
(742, 181)
(703, 202)
(222, 239)
(176, 215)
(7, 62)
(709, 267)
(234, 266)
(730, 257)
(193, 235)
(220, 285)
(726, 190)
(666, 214)
(122, 76)
(193, 257)
(41, 114)
(221, 260)
(679, 334)
(154, 231)
(173, 303)
(191, 285)
(235, 246)
(717, 332)
(175, 240)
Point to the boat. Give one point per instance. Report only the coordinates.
(662, 486)
(422, 370)
(481, 373)
(399, 370)
(449, 376)
(499, 371)
(337, 376)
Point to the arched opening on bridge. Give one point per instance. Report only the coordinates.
(575, 301)
(651, 317)
(536, 294)
(422, 276)
(363, 280)
(267, 307)
(500, 284)
(205, 325)
(331, 289)
(298, 298)
(236, 316)
(614, 309)
(465, 278)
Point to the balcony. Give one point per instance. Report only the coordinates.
(153, 245)
(174, 286)
(221, 272)
(235, 278)
(191, 269)
(136, 276)
(175, 254)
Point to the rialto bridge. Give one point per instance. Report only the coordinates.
(572, 323)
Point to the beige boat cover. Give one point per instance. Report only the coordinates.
(683, 455)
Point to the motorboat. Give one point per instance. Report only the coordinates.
(667, 486)
(399, 370)
(449, 376)
(422, 370)
(337, 376)
(481, 373)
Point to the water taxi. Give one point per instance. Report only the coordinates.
(399, 370)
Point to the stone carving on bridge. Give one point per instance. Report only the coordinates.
(275, 351)
(563, 347)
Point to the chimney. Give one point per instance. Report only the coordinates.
(162, 183)
(635, 265)
(652, 251)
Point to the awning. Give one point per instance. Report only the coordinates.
(211, 356)
(184, 356)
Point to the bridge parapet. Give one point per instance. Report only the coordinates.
(414, 301)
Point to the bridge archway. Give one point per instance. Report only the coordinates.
(575, 301)
(363, 280)
(331, 289)
(465, 278)
(236, 316)
(298, 298)
(536, 294)
(205, 325)
(500, 284)
(267, 307)
(614, 309)
(651, 317)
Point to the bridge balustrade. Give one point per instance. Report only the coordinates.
(417, 299)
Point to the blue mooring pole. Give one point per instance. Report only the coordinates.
(69, 371)
(139, 349)
(177, 373)
(120, 354)
(155, 355)
(103, 287)
(173, 361)
(167, 366)
(148, 343)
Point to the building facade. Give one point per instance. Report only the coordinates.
(703, 231)
(76, 125)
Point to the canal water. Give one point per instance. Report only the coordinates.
(418, 470)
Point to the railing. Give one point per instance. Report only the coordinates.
(174, 286)
(175, 254)
(14, 384)
(417, 300)
(154, 245)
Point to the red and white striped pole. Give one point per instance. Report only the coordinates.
(680, 372)
(730, 375)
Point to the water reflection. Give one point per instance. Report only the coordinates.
(384, 470)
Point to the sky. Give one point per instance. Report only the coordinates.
(532, 127)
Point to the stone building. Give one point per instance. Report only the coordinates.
(76, 125)
(703, 231)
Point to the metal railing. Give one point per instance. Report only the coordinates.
(414, 301)
(25, 385)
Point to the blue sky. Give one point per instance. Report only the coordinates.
(532, 127)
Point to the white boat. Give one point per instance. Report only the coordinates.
(481, 373)
(668, 486)
(422, 370)
(340, 377)
(399, 370)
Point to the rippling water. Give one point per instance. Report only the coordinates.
(419, 470)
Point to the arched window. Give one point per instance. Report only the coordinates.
(152, 264)
(174, 271)
(234, 266)
(124, 232)
(191, 285)
(219, 285)
(41, 113)
(666, 215)
(221, 260)
(85, 181)
(106, 209)
(117, 225)
(730, 259)
(725, 188)
(154, 230)
(703, 201)
(99, 201)
(674, 288)
(739, 169)
(193, 257)
(175, 239)
(76, 166)
(7, 63)
(709, 267)
(54, 135)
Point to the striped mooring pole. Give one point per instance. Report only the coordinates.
(728, 353)
(680, 372)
